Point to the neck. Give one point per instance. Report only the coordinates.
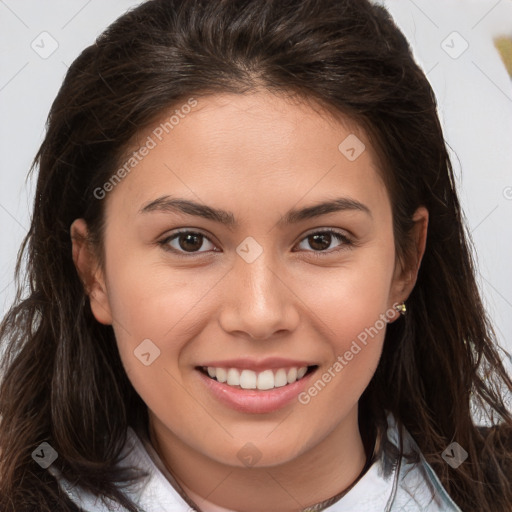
(316, 475)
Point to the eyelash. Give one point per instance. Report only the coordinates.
(348, 243)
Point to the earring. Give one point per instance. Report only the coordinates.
(401, 308)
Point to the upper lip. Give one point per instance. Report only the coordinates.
(245, 363)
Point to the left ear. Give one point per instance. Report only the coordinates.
(406, 272)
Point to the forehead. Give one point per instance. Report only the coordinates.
(236, 148)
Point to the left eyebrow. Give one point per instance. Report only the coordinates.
(168, 204)
(336, 205)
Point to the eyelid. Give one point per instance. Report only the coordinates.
(343, 235)
(336, 231)
(175, 233)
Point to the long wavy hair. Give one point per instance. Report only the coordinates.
(439, 364)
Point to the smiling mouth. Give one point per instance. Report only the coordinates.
(264, 380)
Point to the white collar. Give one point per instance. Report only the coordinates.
(418, 487)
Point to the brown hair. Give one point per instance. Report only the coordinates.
(438, 363)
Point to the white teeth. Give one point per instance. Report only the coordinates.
(248, 379)
(280, 378)
(233, 377)
(301, 372)
(266, 380)
(292, 375)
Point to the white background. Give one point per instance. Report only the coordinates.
(474, 93)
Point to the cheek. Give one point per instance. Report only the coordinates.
(150, 312)
(350, 298)
(149, 300)
(356, 340)
(353, 306)
(166, 306)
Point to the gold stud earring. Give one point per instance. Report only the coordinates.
(401, 308)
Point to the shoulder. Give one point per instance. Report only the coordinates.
(152, 492)
(397, 483)
(418, 487)
(391, 484)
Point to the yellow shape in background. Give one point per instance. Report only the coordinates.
(504, 46)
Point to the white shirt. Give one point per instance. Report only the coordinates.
(418, 489)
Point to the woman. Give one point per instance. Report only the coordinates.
(273, 370)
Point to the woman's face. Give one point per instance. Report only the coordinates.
(258, 283)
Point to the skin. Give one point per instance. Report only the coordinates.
(258, 156)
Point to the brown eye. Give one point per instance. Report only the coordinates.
(185, 242)
(190, 241)
(320, 241)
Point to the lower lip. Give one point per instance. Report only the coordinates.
(253, 401)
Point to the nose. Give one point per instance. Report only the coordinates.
(259, 301)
